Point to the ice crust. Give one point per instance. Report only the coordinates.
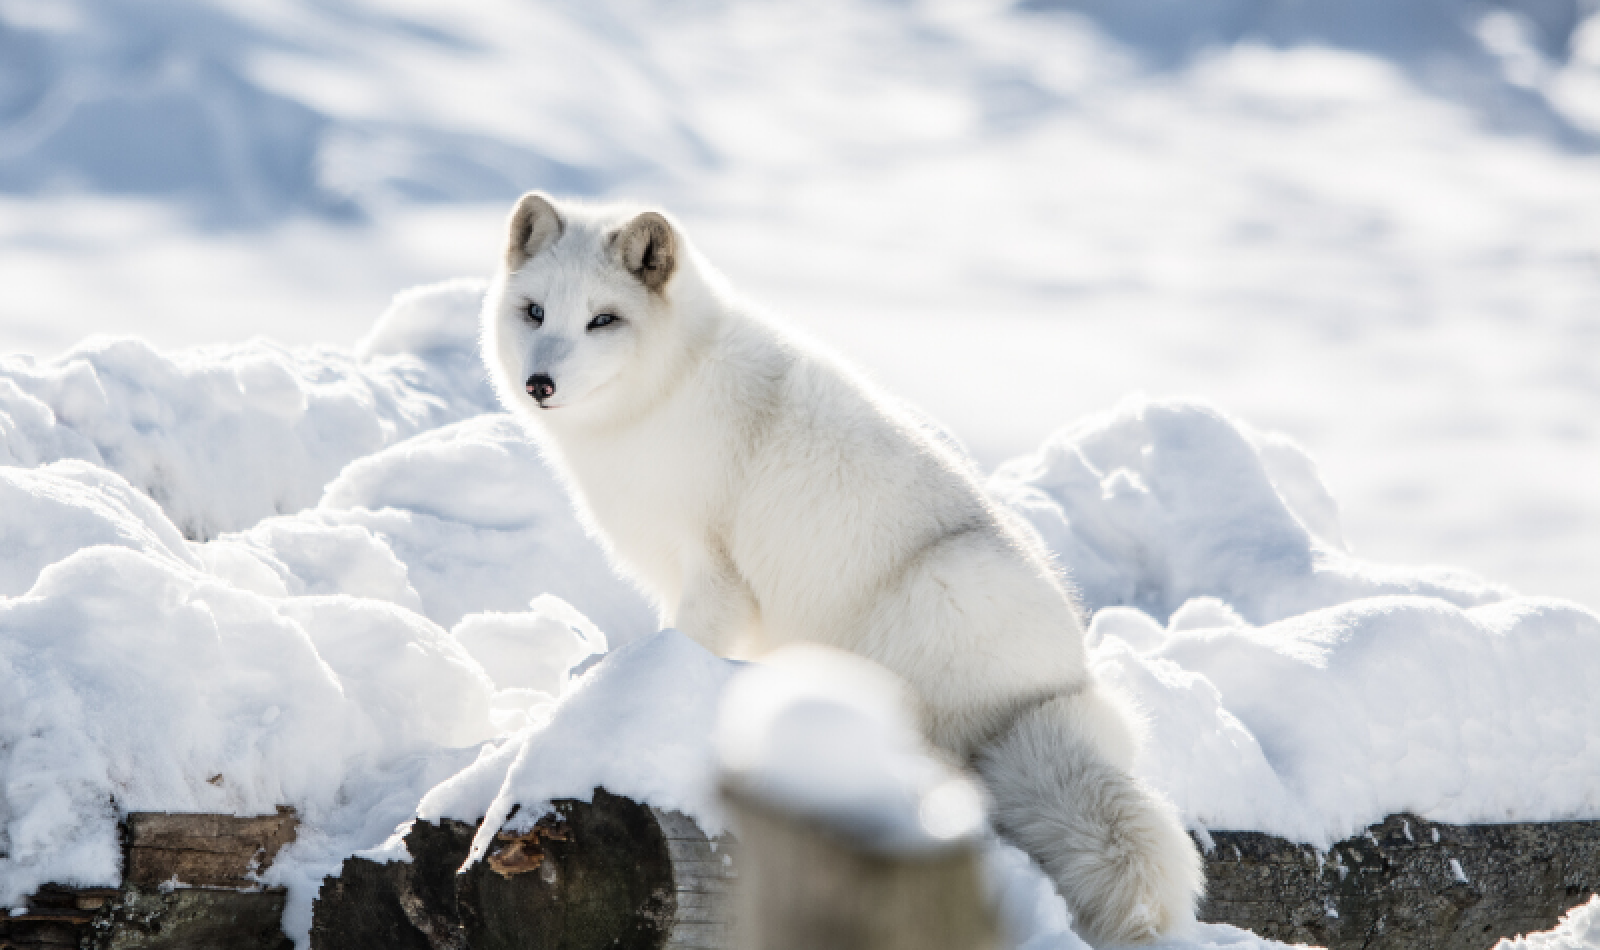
(397, 615)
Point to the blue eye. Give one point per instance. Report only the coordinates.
(535, 313)
(604, 320)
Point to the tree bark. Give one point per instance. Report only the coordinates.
(1406, 884)
(608, 874)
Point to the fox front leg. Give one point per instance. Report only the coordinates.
(718, 610)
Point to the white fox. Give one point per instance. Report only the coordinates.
(764, 493)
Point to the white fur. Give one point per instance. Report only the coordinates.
(764, 493)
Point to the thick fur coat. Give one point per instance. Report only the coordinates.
(764, 493)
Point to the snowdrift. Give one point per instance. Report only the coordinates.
(244, 576)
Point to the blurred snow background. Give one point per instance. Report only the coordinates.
(1373, 225)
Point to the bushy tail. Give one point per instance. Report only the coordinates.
(1114, 847)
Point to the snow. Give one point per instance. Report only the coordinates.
(320, 564)
(534, 650)
(1579, 930)
(1155, 503)
(1309, 727)
(132, 682)
(226, 435)
(637, 725)
(432, 632)
(481, 524)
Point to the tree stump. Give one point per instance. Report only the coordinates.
(805, 887)
(854, 832)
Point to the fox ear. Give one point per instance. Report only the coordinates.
(535, 225)
(648, 249)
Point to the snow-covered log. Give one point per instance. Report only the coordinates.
(612, 873)
(1406, 884)
(615, 873)
(190, 882)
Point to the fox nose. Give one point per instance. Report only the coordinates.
(541, 387)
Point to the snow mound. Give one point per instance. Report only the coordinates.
(130, 681)
(535, 650)
(49, 512)
(480, 523)
(1155, 503)
(638, 725)
(224, 436)
(438, 321)
(283, 557)
(1315, 726)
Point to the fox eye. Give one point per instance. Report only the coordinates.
(535, 313)
(604, 320)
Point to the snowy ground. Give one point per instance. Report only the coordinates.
(334, 576)
(1368, 225)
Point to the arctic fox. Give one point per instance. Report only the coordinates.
(763, 493)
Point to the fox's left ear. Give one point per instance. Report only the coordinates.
(647, 248)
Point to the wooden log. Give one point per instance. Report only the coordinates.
(203, 850)
(1405, 884)
(189, 883)
(602, 878)
(396, 905)
(192, 919)
(702, 878)
(610, 873)
(1395, 887)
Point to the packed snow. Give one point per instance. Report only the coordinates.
(188, 621)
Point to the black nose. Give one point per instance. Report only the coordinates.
(541, 387)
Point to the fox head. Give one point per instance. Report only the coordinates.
(582, 315)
